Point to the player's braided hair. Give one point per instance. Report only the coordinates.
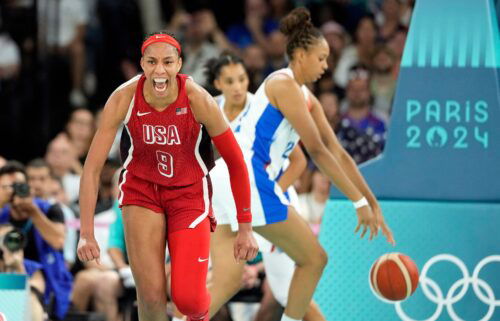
(214, 66)
(300, 32)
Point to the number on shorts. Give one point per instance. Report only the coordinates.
(288, 150)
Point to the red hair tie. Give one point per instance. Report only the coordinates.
(161, 38)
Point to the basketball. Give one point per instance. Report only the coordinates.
(394, 276)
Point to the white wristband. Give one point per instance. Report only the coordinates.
(362, 202)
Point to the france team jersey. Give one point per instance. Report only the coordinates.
(234, 124)
(265, 136)
(266, 139)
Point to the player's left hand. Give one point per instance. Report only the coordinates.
(383, 226)
(245, 245)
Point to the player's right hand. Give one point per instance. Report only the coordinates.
(245, 245)
(368, 220)
(88, 249)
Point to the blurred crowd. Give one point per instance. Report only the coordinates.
(61, 59)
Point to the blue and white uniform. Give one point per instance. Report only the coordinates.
(266, 139)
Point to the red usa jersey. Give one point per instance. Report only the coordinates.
(168, 148)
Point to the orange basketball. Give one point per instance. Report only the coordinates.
(394, 276)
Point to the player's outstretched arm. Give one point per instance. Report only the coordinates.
(113, 115)
(347, 164)
(286, 94)
(207, 112)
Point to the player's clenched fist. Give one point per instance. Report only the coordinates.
(88, 249)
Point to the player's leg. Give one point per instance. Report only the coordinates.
(226, 272)
(279, 272)
(297, 240)
(189, 252)
(314, 313)
(145, 234)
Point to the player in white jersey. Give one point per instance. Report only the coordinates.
(281, 113)
(228, 74)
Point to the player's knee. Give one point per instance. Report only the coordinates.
(319, 259)
(153, 298)
(191, 303)
(152, 302)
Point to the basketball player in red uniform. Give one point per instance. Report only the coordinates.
(165, 190)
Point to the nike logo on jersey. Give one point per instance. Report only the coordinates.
(246, 209)
(202, 260)
(142, 114)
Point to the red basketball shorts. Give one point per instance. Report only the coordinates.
(185, 207)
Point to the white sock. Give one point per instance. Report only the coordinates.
(177, 319)
(287, 318)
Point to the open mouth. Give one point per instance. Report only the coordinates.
(160, 84)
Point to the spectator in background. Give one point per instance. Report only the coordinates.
(12, 261)
(107, 195)
(10, 110)
(359, 145)
(10, 58)
(397, 44)
(62, 28)
(62, 159)
(198, 49)
(276, 52)
(383, 82)
(41, 185)
(44, 228)
(326, 83)
(336, 38)
(80, 130)
(330, 103)
(389, 20)
(359, 53)
(313, 203)
(407, 11)
(3, 161)
(117, 55)
(357, 110)
(216, 34)
(258, 25)
(254, 59)
(114, 152)
(101, 282)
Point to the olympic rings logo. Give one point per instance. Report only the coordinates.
(452, 297)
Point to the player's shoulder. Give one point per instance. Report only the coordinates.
(126, 91)
(196, 93)
(191, 86)
(280, 84)
(280, 80)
